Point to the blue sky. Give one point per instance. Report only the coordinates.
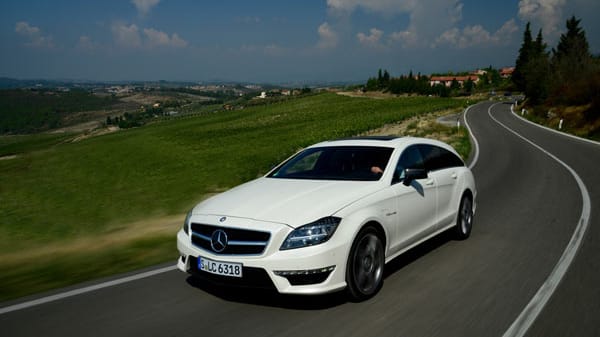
(271, 41)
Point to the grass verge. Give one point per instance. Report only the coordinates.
(574, 120)
(60, 269)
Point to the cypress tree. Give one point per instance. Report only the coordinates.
(572, 55)
(518, 76)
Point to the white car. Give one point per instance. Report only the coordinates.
(330, 216)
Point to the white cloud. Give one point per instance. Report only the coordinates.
(34, 35)
(85, 43)
(477, 36)
(24, 28)
(131, 37)
(371, 40)
(406, 38)
(127, 36)
(144, 6)
(451, 36)
(156, 38)
(427, 18)
(328, 38)
(431, 23)
(506, 32)
(378, 6)
(373, 37)
(545, 13)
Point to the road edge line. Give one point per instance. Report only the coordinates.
(476, 154)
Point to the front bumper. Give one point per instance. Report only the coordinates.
(310, 270)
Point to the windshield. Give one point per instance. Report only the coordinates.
(363, 163)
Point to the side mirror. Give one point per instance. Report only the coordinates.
(413, 174)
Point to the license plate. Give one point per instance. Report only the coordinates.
(220, 268)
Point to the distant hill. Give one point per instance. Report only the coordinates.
(11, 83)
(27, 111)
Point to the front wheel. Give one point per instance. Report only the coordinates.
(464, 221)
(364, 274)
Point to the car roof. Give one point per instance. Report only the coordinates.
(383, 141)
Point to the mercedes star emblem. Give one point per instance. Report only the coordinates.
(218, 240)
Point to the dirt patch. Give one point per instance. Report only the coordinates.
(95, 133)
(143, 99)
(77, 128)
(419, 126)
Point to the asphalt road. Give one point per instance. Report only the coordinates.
(529, 205)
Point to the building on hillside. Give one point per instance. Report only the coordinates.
(507, 72)
(447, 80)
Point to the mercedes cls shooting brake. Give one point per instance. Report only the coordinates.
(330, 217)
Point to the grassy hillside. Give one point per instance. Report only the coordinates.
(26, 111)
(63, 192)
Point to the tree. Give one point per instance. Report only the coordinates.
(441, 90)
(469, 85)
(532, 69)
(372, 84)
(385, 80)
(518, 75)
(572, 54)
(573, 66)
(537, 72)
(454, 85)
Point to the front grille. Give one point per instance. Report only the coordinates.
(251, 277)
(239, 241)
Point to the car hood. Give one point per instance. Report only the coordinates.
(288, 201)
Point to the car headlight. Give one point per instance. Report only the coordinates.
(311, 234)
(186, 223)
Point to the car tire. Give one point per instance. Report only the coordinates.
(364, 272)
(464, 220)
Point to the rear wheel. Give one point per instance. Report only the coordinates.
(364, 274)
(464, 221)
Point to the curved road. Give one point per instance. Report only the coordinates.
(529, 206)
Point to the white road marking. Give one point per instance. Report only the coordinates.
(84, 290)
(476, 155)
(526, 318)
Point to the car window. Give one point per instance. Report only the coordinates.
(450, 159)
(437, 158)
(305, 163)
(410, 158)
(365, 163)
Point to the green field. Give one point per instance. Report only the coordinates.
(56, 193)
